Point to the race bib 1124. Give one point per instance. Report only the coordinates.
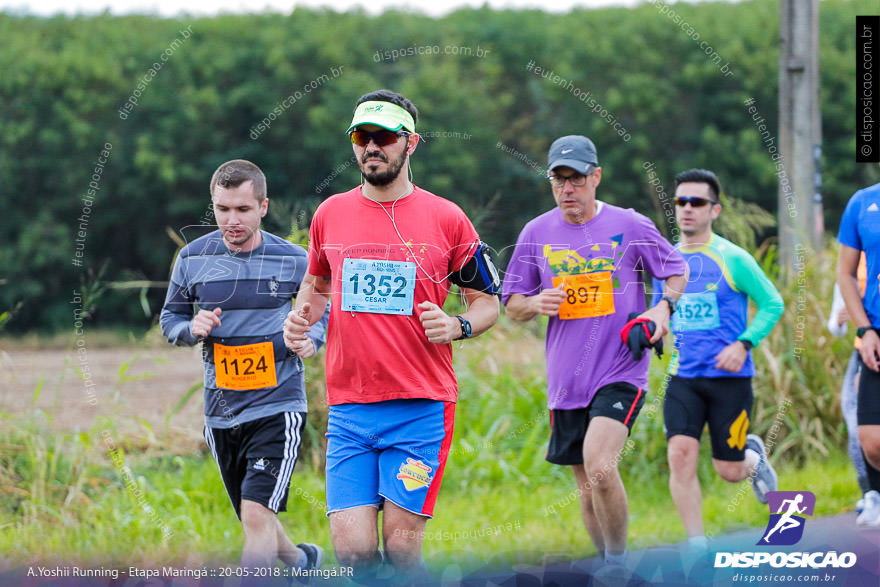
(249, 366)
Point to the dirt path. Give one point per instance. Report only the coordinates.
(138, 389)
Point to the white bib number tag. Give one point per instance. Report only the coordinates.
(378, 287)
(697, 311)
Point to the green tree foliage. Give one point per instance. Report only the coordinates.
(487, 122)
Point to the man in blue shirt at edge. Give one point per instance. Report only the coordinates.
(860, 231)
(243, 281)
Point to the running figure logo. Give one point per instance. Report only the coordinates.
(786, 526)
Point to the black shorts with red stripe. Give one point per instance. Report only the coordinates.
(619, 401)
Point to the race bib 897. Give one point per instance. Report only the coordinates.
(587, 295)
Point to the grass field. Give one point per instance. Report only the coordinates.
(155, 509)
(124, 491)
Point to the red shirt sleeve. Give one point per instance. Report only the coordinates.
(464, 243)
(318, 264)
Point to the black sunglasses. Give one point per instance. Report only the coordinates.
(382, 138)
(694, 202)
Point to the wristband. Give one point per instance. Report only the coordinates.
(672, 304)
(864, 330)
(465, 328)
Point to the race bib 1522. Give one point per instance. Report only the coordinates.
(697, 311)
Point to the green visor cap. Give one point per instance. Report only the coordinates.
(385, 114)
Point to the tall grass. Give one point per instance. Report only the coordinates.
(800, 366)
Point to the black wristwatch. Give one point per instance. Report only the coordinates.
(864, 330)
(465, 328)
(746, 343)
(672, 304)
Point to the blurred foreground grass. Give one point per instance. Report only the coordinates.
(64, 498)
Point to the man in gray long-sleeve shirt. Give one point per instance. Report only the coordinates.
(242, 280)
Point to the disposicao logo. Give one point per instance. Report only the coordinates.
(785, 528)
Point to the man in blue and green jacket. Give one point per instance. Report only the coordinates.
(710, 373)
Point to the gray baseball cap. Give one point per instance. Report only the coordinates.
(575, 151)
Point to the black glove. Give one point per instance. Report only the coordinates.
(637, 333)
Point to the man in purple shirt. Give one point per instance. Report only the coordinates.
(581, 264)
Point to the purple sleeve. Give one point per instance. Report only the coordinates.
(659, 258)
(523, 275)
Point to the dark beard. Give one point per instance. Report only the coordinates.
(383, 178)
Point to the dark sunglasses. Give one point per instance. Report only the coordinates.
(382, 138)
(694, 202)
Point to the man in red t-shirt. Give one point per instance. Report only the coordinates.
(388, 251)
